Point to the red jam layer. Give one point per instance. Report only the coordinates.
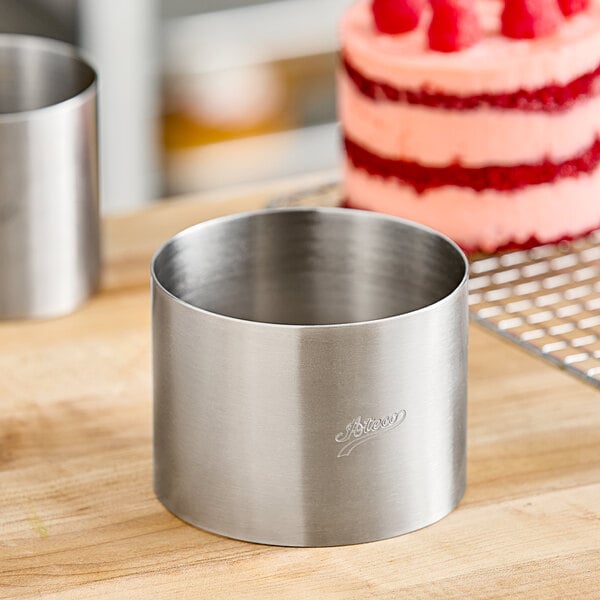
(500, 178)
(532, 242)
(551, 98)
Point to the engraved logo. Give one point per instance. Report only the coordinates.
(361, 430)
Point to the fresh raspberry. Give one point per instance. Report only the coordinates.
(397, 16)
(570, 7)
(526, 19)
(454, 25)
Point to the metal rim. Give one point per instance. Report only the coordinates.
(58, 48)
(358, 213)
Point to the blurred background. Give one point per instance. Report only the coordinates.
(198, 95)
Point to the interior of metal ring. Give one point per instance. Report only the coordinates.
(309, 267)
(36, 75)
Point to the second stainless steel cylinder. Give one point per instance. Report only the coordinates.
(310, 376)
(49, 222)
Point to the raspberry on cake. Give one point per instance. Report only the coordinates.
(484, 123)
(570, 7)
(524, 19)
(397, 16)
(454, 25)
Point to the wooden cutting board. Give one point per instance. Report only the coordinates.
(78, 518)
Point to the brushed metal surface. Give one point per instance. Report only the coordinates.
(309, 376)
(49, 224)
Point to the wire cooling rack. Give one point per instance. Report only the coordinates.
(546, 300)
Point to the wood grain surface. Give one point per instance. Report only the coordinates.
(78, 518)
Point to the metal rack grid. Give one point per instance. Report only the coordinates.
(546, 300)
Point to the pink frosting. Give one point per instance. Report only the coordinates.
(494, 65)
(478, 137)
(489, 219)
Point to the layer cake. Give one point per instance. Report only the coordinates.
(496, 144)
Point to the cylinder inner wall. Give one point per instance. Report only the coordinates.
(309, 267)
(37, 74)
